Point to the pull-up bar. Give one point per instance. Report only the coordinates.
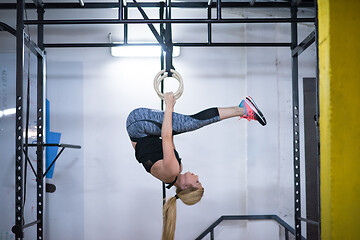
(177, 21)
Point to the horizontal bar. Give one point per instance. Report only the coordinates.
(234, 217)
(31, 224)
(310, 39)
(261, 217)
(63, 145)
(92, 5)
(308, 221)
(80, 45)
(178, 21)
(233, 44)
(55, 145)
(247, 217)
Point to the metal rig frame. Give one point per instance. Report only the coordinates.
(164, 39)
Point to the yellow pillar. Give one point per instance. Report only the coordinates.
(339, 63)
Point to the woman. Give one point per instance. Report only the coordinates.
(159, 156)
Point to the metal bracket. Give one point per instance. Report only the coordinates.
(33, 46)
(57, 156)
(310, 39)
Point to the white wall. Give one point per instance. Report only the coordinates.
(245, 168)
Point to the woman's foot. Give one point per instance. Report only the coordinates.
(252, 112)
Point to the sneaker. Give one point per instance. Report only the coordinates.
(248, 98)
(252, 112)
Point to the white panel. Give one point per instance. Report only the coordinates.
(269, 161)
(65, 207)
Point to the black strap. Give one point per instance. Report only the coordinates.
(169, 185)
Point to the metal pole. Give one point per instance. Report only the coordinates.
(209, 24)
(162, 30)
(317, 116)
(40, 128)
(296, 128)
(204, 44)
(19, 161)
(175, 21)
(125, 25)
(286, 234)
(120, 11)
(218, 9)
(168, 40)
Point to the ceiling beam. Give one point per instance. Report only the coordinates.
(303, 4)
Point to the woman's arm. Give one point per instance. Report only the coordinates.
(171, 165)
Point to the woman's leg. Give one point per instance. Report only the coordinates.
(187, 123)
(229, 112)
(143, 122)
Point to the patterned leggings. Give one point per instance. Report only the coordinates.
(143, 122)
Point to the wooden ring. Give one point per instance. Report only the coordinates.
(158, 79)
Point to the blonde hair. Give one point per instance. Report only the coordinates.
(188, 196)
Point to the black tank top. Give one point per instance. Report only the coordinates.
(148, 151)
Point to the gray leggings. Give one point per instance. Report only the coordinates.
(144, 122)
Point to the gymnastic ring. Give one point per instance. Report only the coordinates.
(176, 75)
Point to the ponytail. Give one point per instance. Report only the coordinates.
(188, 196)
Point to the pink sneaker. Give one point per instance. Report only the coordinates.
(252, 112)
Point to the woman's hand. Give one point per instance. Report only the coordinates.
(169, 99)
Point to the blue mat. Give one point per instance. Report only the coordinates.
(51, 137)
